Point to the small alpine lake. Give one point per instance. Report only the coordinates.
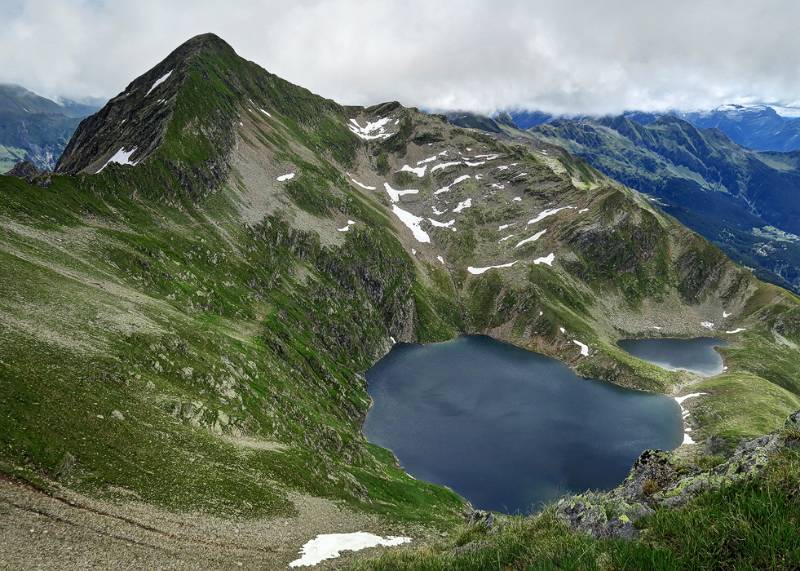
(697, 355)
(507, 428)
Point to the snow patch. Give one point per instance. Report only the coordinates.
(447, 188)
(395, 194)
(285, 177)
(737, 330)
(518, 199)
(726, 315)
(548, 259)
(158, 82)
(531, 239)
(707, 324)
(330, 546)
(121, 157)
(506, 238)
(547, 212)
(681, 400)
(685, 413)
(370, 131)
(441, 259)
(442, 224)
(419, 171)
(478, 271)
(584, 348)
(504, 226)
(582, 210)
(431, 159)
(362, 185)
(265, 112)
(463, 205)
(442, 166)
(346, 228)
(413, 224)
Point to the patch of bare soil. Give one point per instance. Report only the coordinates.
(71, 531)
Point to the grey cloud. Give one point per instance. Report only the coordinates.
(566, 56)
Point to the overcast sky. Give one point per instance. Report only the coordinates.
(567, 56)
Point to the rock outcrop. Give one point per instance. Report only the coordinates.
(660, 479)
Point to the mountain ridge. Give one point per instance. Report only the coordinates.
(740, 199)
(697, 173)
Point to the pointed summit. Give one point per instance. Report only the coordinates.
(180, 117)
(133, 124)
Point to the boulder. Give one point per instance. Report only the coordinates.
(793, 422)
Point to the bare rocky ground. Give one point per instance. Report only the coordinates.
(66, 530)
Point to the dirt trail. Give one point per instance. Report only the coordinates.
(71, 531)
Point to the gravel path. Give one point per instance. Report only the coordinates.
(70, 531)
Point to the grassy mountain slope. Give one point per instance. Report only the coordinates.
(35, 128)
(181, 332)
(743, 201)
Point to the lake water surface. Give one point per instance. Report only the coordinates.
(506, 428)
(695, 355)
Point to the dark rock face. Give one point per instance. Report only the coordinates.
(656, 481)
(132, 121)
(136, 120)
(481, 518)
(652, 472)
(25, 170)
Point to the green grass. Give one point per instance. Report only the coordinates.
(230, 328)
(722, 413)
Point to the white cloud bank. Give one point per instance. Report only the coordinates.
(567, 56)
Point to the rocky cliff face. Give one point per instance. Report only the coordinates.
(662, 479)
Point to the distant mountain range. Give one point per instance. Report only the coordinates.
(35, 128)
(744, 201)
(759, 127)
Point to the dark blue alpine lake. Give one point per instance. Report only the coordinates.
(695, 355)
(506, 428)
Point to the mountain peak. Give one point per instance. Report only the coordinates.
(208, 43)
(132, 125)
(180, 118)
